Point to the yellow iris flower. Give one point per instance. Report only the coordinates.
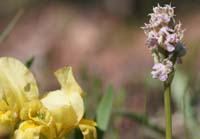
(49, 118)
(17, 86)
(66, 105)
(30, 130)
(8, 118)
(38, 121)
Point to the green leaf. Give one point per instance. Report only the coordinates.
(181, 94)
(78, 134)
(29, 62)
(104, 110)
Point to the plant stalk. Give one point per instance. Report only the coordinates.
(167, 103)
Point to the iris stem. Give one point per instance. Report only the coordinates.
(167, 103)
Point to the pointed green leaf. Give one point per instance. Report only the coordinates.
(104, 110)
(29, 62)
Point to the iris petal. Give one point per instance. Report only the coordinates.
(17, 84)
(30, 130)
(88, 129)
(66, 105)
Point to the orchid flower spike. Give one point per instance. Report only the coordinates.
(164, 39)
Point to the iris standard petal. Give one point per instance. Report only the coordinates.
(67, 81)
(71, 88)
(58, 103)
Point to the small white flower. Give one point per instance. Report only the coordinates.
(152, 34)
(147, 28)
(165, 18)
(170, 10)
(155, 21)
(172, 38)
(156, 10)
(152, 42)
(161, 70)
(170, 47)
(167, 38)
(165, 30)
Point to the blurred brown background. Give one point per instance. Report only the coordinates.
(103, 42)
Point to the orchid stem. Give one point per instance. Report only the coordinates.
(167, 103)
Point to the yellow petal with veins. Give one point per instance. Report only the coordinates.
(70, 87)
(8, 118)
(30, 130)
(60, 106)
(35, 111)
(67, 81)
(17, 84)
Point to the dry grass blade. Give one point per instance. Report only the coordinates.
(11, 25)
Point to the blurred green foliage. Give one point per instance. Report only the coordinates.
(104, 111)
